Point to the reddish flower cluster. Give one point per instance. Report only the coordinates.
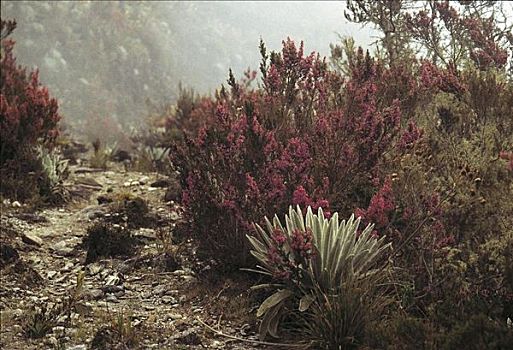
(486, 52)
(380, 207)
(301, 198)
(301, 243)
(410, 136)
(288, 256)
(446, 80)
(278, 237)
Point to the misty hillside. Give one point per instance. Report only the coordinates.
(110, 57)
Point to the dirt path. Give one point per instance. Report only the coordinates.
(145, 301)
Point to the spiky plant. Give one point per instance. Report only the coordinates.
(313, 257)
(54, 167)
(55, 170)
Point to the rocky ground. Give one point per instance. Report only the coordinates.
(157, 297)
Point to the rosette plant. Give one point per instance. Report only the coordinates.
(314, 261)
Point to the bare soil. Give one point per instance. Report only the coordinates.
(160, 297)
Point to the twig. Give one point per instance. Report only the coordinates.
(247, 340)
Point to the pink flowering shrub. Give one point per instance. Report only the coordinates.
(307, 137)
(28, 117)
(27, 112)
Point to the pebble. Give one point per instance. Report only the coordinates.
(173, 316)
(111, 298)
(189, 278)
(67, 267)
(217, 344)
(94, 268)
(168, 300)
(77, 347)
(52, 341)
(58, 330)
(160, 290)
(143, 180)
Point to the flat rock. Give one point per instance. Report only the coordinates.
(62, 248)
(93, 211)
(112, 289)
(173, 316)
(88, 181)
(112, 299)
(32, 239)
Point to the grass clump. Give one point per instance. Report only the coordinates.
(117, 334)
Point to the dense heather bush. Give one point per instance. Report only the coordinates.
(301, 138)
(27, 112)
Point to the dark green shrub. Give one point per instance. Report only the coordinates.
(106, 240)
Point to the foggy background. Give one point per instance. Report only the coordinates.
(113, 59)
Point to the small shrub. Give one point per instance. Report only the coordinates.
(170, 252)
(339, 321)
(40, 321)
(151, 159)
(106, 240)
(479, 332)
(8, 254)
(54, 172)
(102, 154)
(28, 118)
(131, 211)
